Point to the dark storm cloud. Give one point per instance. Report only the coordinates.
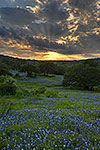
(16, 16)
(44, 44)
(48, 29)
(13, 34)
(52, 11)
(14, 3)
(85, 10)
(82, 4)
(41, 23)
(98, 22)
(4, 32)
(91, 42)
(84, 28)
(20, 35)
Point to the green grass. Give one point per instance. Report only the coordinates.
(51, 122)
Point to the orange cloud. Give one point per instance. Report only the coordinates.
(57, 56)
(50, 55)
(15, 44)
(39, 37)
(34, 9)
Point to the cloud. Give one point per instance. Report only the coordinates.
(16, 16)
(19, 35)
(45, 44)
(49, 30)
(14, 3)
(12, 33)
(91, 42)
(82, 4)
(85, 11)
(67, 27)
(53, 11)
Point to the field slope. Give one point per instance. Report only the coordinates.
(67, 120)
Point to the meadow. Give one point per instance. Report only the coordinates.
(45, 116)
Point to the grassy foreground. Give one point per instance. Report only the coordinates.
(68, 121)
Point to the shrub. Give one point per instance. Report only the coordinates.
(39, 90)
(17, 75)
(4, 69)
(22, 92)
(7, 86)
(51, 93)
(96, 88)
(5, 106)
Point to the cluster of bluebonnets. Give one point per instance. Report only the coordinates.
(70, 121)
(58, 77)
(42, 81)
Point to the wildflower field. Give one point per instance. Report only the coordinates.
(57, 119)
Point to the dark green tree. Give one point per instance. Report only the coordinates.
(84, 76)
(47, 68)
(7, 85)
(4, 70)
(60, 69)
(29, 68)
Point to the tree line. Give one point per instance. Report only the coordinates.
(84, 75)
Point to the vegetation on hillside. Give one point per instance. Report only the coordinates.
(37, 112)
(83, 76)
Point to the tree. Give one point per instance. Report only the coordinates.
(47, 67)
(29, 68)
(84, 75)
(7, 85)
(4, 69)
(60, 69)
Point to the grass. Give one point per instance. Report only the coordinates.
(69, 121)
(40, 81)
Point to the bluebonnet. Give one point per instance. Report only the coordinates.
(61, 128)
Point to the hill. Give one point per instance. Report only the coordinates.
(6, 59)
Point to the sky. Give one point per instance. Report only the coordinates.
(50, 29)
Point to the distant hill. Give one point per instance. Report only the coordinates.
(72, 62)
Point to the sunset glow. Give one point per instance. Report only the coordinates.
(50, 29)
(29, 54)
(61, 42)
(57, 56)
